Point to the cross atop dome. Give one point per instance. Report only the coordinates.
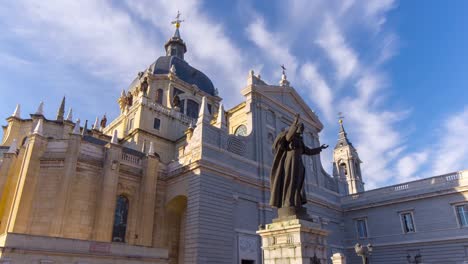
(175, 46)
(177, 22)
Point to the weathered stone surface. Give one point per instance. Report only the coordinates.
(293, 241)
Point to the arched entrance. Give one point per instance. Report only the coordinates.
(176, 210)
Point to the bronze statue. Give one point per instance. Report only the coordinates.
(288, 171)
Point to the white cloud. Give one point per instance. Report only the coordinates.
(409, 165)
(97, 43)
(113, 43)
(334, 44)
(273, 46)
(318, 90)
(452, 150)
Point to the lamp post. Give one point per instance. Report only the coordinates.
(363, 252)
(414, 259)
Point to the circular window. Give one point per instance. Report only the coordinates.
(241, 131)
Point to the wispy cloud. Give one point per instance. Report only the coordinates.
(409, 165)
(333, 42)
(451, 152)
(98, 44)
(273, 46)
(318, 90)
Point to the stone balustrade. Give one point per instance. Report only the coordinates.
(169, 112)
(447, 180)
(130, 159)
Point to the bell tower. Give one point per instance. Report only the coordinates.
(347, 165)
(175, 46)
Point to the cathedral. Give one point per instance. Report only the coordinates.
(176, 178)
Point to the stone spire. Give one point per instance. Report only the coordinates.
(61, 110)
(76, 129)
(96, 124)
(221, 120)
(13, 147)
(151, 150)
(38, 130)
(143, 147)
(40, 109)
(342, 136)
(17, 112)
(85, 128)
(204, 114)
(70, 115)
(175, 46)
(115, 138)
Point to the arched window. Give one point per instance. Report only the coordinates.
(120, 219)
(192, 108)
(159, 96)
(343, 169)
(182, 106)
(241, 131)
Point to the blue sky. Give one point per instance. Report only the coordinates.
(396, 69)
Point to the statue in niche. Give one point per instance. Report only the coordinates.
(288, 171)
(129, 99)
(144, 86)
(104, 121)
(176, 102)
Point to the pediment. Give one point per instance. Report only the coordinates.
(289, 98)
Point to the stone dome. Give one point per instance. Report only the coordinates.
(184, 72)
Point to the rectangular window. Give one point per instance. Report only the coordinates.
(462, 214)
(209, 108)
(361, 226)
(130, 124)
(247, 261)
(407, 222)
(157, 123)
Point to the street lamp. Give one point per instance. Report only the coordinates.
(414, 259)
(363, 252)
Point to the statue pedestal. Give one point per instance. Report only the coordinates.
(294, 241)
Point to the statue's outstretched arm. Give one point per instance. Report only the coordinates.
(293, 128)
(314, 151)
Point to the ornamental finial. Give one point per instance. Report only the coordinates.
(177, 21)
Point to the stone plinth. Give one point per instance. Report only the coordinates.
(293, 241)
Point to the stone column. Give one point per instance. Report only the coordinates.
(107, 194)
(147, 200)
(338, 258)
(294, 241)
(25, 187)
(63, 193)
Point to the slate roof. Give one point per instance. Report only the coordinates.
(184, 72)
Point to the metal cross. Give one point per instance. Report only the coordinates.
(284, 68)
(340, 116)
(177, 21)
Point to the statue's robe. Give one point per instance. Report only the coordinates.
(288, 172)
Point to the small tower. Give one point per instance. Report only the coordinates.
(347, 165)
(175, 46)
